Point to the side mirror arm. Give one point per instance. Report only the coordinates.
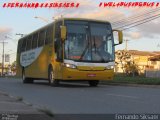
(120, 36)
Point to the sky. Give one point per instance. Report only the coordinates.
(145, 37)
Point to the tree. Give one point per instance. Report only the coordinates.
(13, 66)
(128, 65)
(131, 69)
(123, 56)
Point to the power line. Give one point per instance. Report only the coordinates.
(130, 24)
(141, 23)
(139, 13)
(136, 16)
(138, 21)
(3, 42)
(126, 46)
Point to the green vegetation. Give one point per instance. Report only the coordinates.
(134, 80)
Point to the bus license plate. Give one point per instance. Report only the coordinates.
(91, 75)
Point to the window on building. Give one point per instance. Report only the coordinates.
(153, 62)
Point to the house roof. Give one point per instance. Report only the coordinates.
(157, 52)
(155, 58)
(142, 53)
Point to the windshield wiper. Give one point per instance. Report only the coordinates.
(101, 56)
(84, 51)
(94, 45)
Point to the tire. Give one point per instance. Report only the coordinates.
(51, 78)
(25, 79)
(93, 83)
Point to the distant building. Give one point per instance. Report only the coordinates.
(145, 60)
(7, 69)
(155, 61)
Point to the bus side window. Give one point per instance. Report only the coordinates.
(34, 41)
(19, 46)
(29, 43)
(41, 39)
(49, 35)
(23, 45)
(58, 48)
(58, 29)
(58, 43)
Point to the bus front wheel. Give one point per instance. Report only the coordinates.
(93, 83)
(51, 78)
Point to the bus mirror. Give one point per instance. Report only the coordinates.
(120, 36)
(63, 32)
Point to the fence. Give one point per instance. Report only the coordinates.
(152, 73)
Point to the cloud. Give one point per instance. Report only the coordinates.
(88, 9)
(133, 35)
(149, 29)
(4, 31)
(84, 7)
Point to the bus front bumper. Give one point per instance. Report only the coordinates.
(75, 74)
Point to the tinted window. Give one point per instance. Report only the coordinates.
(23, 45)
(58, 44)
(19, 46)
(41, 38)
(49, 35)
(58, 29)
(34, 41)
(29, 43)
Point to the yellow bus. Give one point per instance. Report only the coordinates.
(69, 49)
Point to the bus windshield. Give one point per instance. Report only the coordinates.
(89, 42)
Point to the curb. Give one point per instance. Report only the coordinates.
(131, 85)
(38, 111)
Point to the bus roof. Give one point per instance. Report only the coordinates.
(63, 19)
(84, 19)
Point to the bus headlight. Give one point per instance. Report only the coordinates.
(70, 66)
(110, 67)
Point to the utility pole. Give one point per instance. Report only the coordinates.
(3, 42)
(126, 46)
(158, 45)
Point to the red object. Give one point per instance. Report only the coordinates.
(91, 75)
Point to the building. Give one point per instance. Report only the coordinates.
(145, 60)
(7, 69)
(155, 61)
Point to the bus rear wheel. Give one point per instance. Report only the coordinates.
(51, 78)
(93, 83)
(25, 79)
